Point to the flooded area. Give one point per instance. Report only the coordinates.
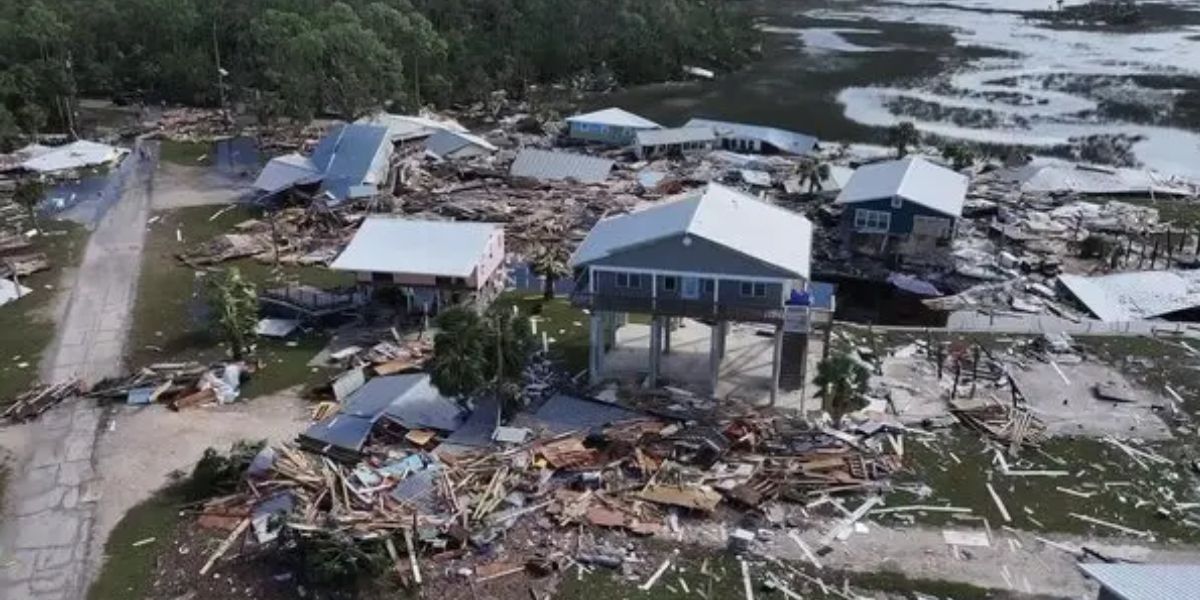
(994, 72)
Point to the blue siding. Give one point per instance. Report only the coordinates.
(902, 218)
(596, 132)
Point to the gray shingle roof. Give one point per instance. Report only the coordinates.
(544, 164)
(913, 179)
(1147, 582)
(786, 141)
(716, 213)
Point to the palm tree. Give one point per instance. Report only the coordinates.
(471, 351)
(234, 302)
(841, 379)
(550, 263)
(29, 194)
(815, 173)
(903, 135)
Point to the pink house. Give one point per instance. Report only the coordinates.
(439, 263)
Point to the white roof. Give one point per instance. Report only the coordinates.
(285, 171)
(681, 135)
(615, 117)
(913, 179)
(1146, 582)
(1135, 296)
(409, 127)
(549, 165)
(75, 155)
(438, 248)
(716, 213)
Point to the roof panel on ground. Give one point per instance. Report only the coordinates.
(615, 117)
(410, 400)
(443, 143)
(477, 430)
(914, 179)
(548, 165)
(437, 248)
(402, 128)
(563, 413)
(286, 171)
(359, 155)
(786, 141)
(1135, 296)
(1146, 582)
(719, 214)
(681, 135)
(75, 155)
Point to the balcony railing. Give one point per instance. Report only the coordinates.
(796, 317)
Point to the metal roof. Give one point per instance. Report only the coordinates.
(563, 413)
(716, 213)
(1088, 179)
(1135, 296)
(544, 164)
(1147, 582)
(615, 117)
(403, 128)
(285, 171)
(437, 248)
(913, 179)
(786, 141)
(410, 400)
(444, 143)
(354, 159)
(680, 135)
(77, 154)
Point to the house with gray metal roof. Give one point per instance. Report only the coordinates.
(547, 165)
(453, 145)
(715, 254)
(742, 137)
(352, 162)
(1125, 581)
(907, 208)
(608, 126)
(437, 263)
(658, 143)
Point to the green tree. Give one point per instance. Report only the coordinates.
(234, 304)
(841, 380)
(903, 135)
(550, 263)
(28, 194)
(815, 173)
(960, 155)
(472, 351)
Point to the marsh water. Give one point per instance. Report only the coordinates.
(996, 72)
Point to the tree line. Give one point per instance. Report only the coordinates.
(299, 58)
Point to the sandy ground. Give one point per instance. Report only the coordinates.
(140, 447)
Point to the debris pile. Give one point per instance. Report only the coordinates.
(177, 385)
(39, 399)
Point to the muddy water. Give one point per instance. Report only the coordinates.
(987, 71)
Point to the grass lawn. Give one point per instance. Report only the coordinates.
(170, 315)
(188, 154)
(127, 570)
(26, 324)
(566, 326)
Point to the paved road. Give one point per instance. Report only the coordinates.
(47, 529)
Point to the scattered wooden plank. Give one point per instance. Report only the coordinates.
(1113, 526)
(226, 544)
(999, 503)
(645, 587)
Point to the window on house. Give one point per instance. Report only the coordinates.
(670, 284)
(754, 290)
(876, 221)
(710, 286)
(629, 280)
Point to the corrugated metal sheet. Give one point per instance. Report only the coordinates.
(1147, 582)
(786, 141)
(446, 143)
(354, 159)
(681, 135)
(563, 413)
(914, 179)
(1135, 296)
(1085, 179)
(403, 128)
(285, 171)
(410, 400)
(615, 117)
(547, 165)
(716, 213)
(437, 248)
(477, 431)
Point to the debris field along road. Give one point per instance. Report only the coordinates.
(46, 532)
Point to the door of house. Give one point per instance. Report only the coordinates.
(690, 288)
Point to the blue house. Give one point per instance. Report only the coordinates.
(713, 254)
(352, 162)
(907, 208)
(609, 126)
